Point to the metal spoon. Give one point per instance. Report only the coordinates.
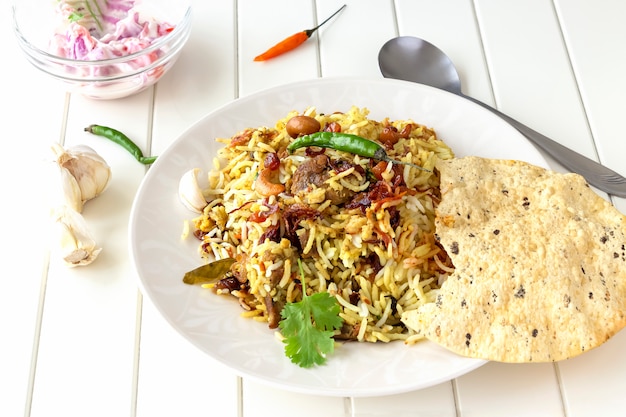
(412, 59)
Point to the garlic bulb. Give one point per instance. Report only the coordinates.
(76, 244)
(190, 191)
(84, 174)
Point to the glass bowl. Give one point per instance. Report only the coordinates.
(124, 49)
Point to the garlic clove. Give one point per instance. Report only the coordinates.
(89, 170)
(70, 190)
(190, 191)
(76, 245)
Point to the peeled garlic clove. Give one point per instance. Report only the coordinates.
(190, 191)
(89, 171)
(76, 244)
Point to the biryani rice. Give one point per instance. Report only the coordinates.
(378, 260)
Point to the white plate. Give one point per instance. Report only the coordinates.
(212, 322)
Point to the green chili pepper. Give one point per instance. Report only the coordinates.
(121, 139)
(347, 142)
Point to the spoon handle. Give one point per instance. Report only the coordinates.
(596, 174)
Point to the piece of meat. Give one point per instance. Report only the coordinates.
(273, 313)
(314, 172)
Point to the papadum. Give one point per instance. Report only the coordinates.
(540, 264)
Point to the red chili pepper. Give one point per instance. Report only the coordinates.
(292, 42)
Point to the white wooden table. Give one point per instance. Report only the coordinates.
(84, 342)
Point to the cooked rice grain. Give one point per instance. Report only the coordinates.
(379, 259)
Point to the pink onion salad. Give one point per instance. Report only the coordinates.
(94, 30)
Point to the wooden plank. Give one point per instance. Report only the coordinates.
(177, 378)
(89, 312)
(260, 400)
(434, 401)
(593, 384)
(349, 44)
(260, 26)
(31, 122)
(204, 78)
(530, 70)
(595, 34)
(499, 389)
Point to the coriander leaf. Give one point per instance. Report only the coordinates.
(293, 319)
(75, 16)
(308, 329)
(325, 311)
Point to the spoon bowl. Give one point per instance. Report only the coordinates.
(413, 59)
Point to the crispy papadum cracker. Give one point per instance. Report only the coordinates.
(540, 264)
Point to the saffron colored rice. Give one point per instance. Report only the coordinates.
(379, 259)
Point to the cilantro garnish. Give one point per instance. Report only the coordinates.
(308, 327)
(75, 16)
(89, 9)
